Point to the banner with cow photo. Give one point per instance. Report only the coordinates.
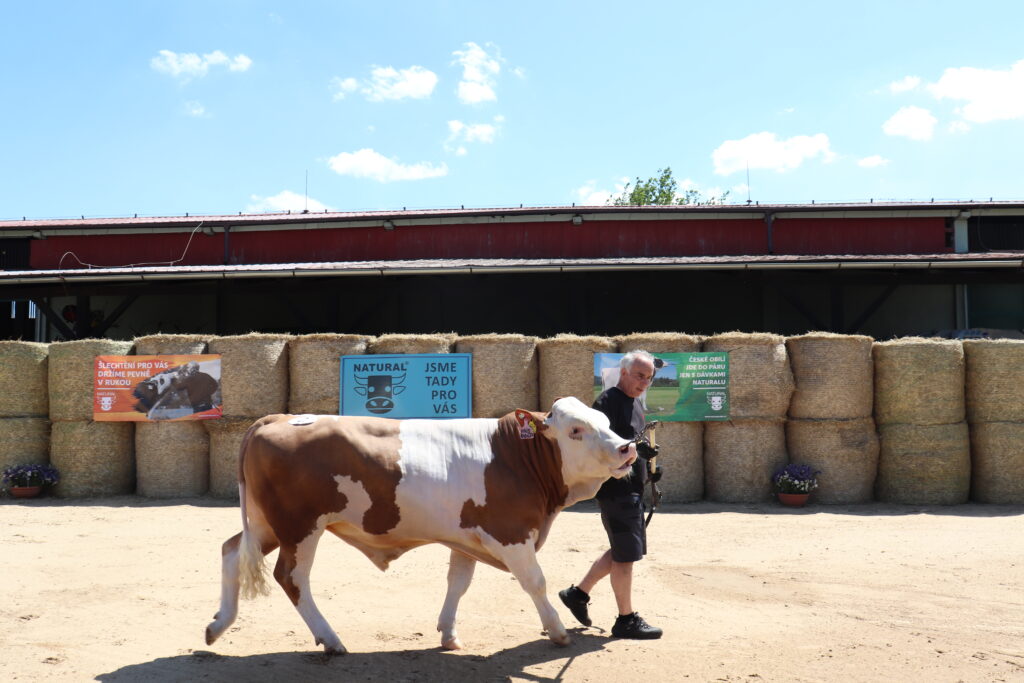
(156, 388)
(412, 385)
(687, 387)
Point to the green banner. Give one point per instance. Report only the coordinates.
(687, 387)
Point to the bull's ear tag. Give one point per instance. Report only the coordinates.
(300, 420)
(527, 427)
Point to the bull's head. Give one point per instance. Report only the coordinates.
(379, 391)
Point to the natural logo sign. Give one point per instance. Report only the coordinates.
(429, 385)
(687, 387)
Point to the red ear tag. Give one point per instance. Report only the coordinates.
(527, 427)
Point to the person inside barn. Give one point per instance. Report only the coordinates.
(621, 504)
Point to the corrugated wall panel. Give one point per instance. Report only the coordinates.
(860, 236)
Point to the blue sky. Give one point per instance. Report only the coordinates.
(118, 108)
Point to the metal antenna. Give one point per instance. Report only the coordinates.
(748, 181)
(305, 199)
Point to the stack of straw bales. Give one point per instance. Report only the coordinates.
(253, 373)
(172, 459)
(314, 368)
(412, 343)
(682, 443)
(225, 444)
(995, 413)
(24, 404)
(566, 367)
(741, 455)
(919, 409)
(830, 426)
(94, 458)
(504, 372)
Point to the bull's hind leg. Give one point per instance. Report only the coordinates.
(294, 563)
(230, 582)
(460, 574)
(522, 562)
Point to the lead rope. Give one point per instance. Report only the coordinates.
(655, 491)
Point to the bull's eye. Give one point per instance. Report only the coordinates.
(576, 434)
(624, 449)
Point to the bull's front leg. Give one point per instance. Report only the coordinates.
(522, 562)
(460, 574)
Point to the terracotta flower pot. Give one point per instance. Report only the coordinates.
(25, 491)
(795, 500)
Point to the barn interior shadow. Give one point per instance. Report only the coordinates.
(396, 665)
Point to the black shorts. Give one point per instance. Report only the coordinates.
(623, 519)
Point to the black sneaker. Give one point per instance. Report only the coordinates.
(576, 600)
(634, 626)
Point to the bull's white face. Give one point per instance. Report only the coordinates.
(590, 449)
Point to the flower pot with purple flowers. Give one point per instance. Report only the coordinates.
(27, 481)
(794, 483)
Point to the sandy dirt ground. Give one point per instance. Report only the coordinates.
(121, 589)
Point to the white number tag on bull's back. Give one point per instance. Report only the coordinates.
(300, 420)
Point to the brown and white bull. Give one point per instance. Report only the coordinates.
(488, 489)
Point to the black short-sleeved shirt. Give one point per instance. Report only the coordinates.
(619, 408)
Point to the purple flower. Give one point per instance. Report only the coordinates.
(31, 475)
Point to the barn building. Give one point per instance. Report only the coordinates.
(881, 269)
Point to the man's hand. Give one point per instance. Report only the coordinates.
(646, 450)
(657, 474)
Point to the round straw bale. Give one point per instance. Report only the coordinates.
(994, 377)
(566, 366)
(23, 379)
(504, 372)
(70, 375)
(845, 452)
(412, 343)
(226, 437)
(919, 381)
(834, 375)
(314, 367)
(24, 441)
(94, 458)
(171, 344)
(760, 379)
(681, 452)
(172, 459)
(740, 457)
(253, 373)
(924, 464)
(658, 342)
(997, 462)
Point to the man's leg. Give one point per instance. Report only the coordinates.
(622, 586)
(601, 568)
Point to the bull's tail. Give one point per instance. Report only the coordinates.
(252, 571)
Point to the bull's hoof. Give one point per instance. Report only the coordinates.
(451, 644)
(561, 641)
(332, 649)
(210, 636)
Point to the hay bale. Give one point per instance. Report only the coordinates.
(994, 377)
(760, 378)
(253, 373)
(171, 344)
(682, 454)
(23, 379)
(566, 366)
(314, 369)
(844, 451)
(94, 458)
(70, 375)
(172, 459)
(740, 457)
(24, 441)
(997, 462)
(412, 343)
(919, 381)
(833, 375)
(504, 372)
(226, 437)
(658, 342)
(924, 464)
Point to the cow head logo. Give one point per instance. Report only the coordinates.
(106, 402)
(717, 400)
(379, 391)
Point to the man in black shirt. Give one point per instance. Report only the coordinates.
(622, 509)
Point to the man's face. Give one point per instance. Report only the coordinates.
(635, 379)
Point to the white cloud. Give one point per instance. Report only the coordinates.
(764, 150)
(873, 161)
(342, 87)
(990, 94)
(388, 83)
(459, 134)
(479, 71)
(366, 163)
(957, 127)
(590, 195)
(285, 200)
(195, 108)
(188, 65)
(911, 122)
(904, 84)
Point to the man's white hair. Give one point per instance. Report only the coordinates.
(633, 356)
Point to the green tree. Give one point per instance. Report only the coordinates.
(662, 190)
